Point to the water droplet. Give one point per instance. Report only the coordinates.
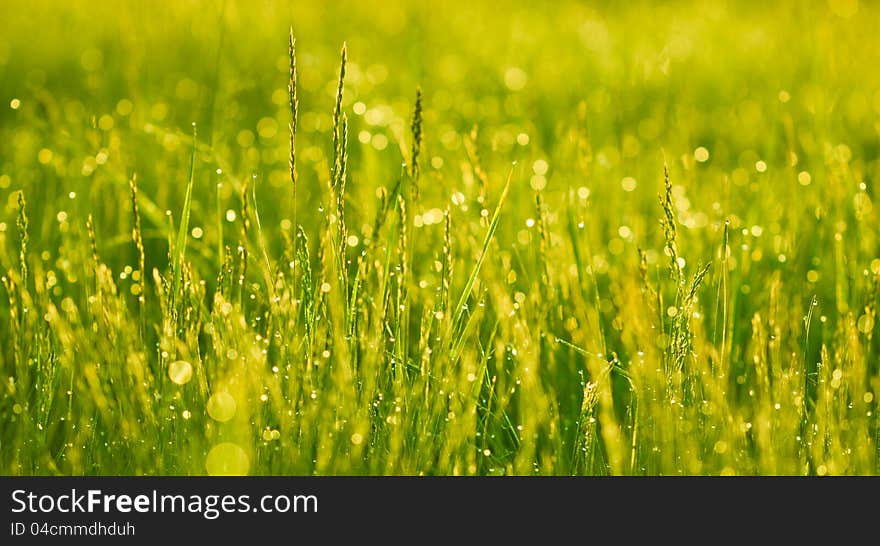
(180, 372)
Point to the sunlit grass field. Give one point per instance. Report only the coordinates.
(451, 238)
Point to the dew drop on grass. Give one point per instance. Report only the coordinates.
(180, 372)
(865, 324)
(221, 406)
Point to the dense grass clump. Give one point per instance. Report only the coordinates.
(440, 249)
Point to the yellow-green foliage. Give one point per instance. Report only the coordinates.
(442, 251)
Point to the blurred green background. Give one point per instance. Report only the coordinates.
(746, 81)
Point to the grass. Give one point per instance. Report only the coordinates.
(226, 247)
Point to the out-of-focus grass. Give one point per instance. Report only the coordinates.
(429, 328)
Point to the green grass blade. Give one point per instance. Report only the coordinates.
(490, 233)
(180, 243)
